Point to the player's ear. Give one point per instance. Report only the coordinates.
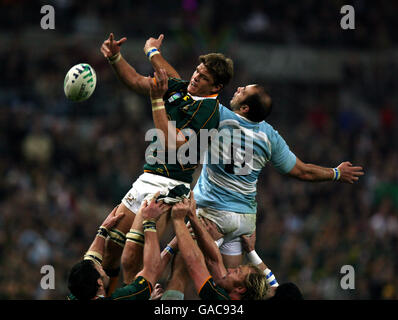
(244, 108)
(239, 290)
(217, 88)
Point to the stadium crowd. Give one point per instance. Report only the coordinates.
(64, 165)
(196, 22)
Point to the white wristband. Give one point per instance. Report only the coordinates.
(254, 258)
(151, 52)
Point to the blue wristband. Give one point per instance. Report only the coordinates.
(169, 249)
(337, 174)
(149, 53)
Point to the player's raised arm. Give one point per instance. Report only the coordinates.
(158, 87)
(167, 254)
(206, 243)
(345, 172)
(150, 214)
(248, 244)
(126, 73)
(97, 247)
(152, 51)
(193, 257)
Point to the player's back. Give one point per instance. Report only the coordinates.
(233, 186)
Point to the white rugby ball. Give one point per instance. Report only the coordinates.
(80, 82)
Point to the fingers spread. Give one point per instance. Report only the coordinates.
(105, 51)
(121, 41)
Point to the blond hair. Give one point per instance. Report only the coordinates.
(256, 285)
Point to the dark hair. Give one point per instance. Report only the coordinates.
(260, 105)
(83, 280)
(287, 291)
(219, 66)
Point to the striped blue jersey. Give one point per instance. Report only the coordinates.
(229, 182)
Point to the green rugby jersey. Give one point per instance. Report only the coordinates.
(196, 114)
(211, 291)
(139, 289)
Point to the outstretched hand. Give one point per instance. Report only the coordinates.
(158, 86)
(180, 209)
(152, 42)
(249, 241)
(349, 173)
(112, 219)
(154, 209)
(211, 228)
(110, 47)
(157, 292)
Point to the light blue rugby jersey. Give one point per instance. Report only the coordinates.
(219, 188)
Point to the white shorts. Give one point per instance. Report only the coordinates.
(232, 225)
(146, 186)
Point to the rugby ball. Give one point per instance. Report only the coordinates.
(80, 82)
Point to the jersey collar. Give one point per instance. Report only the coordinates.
(244, 118)
(213, 96)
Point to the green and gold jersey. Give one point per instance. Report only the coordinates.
(188, 113)
(139, 289)
(211, 291)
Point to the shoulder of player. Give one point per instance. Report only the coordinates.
(205, 106)
(177, 82)
(267, 128)
(211, 289)
(208, 103)
(140, 285)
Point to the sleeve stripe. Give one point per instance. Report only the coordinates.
(179, 131)
(133, 294)
(214, 289)
(218, 292)
(148, 287)
(207, 279)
